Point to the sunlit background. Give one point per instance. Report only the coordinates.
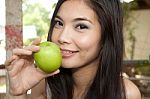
(36, 19)
(29, 31)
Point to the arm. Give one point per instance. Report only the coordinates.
(24, 96)
(39, 91)
(22, 74)
(132, 92)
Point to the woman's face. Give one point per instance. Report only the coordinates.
(77, 32)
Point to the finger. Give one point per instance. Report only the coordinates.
(10, 60)
(17, 66)
(36, 41)
(32, 48)
(18, 51)
(46, 75)
(38, 74)
(54, 73)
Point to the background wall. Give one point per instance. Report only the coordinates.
(140, 24)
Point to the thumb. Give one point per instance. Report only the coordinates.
(44, 75)
(53, 73)
(36, 41)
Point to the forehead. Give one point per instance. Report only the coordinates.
(75, 8)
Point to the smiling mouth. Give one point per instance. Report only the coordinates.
(68, 53)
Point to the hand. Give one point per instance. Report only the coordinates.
(22, 73)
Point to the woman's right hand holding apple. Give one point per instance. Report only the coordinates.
(23, 75)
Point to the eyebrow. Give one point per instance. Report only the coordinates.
(82, 19)
(77, 19)
(59, 17)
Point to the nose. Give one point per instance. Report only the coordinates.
(64, 37)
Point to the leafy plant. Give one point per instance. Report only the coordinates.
(36, 14)
(128, 18)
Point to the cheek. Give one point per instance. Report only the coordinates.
(88, 42)
(84, 44)
(89, 49)
(54, 36)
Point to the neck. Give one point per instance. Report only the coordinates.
(83, 77)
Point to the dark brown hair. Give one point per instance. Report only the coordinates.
(108, 82)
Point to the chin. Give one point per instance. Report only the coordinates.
(69, 66)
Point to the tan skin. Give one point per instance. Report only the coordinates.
(70, 34)
(20, 67)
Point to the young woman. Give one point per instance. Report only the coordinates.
(89, 34)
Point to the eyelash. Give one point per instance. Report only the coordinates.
(81, 26)
(58, 23)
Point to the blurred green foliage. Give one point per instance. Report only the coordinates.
(36, 14)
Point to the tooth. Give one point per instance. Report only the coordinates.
(67, 52)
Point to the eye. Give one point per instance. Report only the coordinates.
(58, 23)
(81, 26)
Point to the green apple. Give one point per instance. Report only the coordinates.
(48, 58)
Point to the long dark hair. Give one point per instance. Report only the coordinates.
(108, 82)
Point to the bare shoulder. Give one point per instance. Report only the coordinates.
(132, 91)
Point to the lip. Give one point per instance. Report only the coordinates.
(67, 53)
